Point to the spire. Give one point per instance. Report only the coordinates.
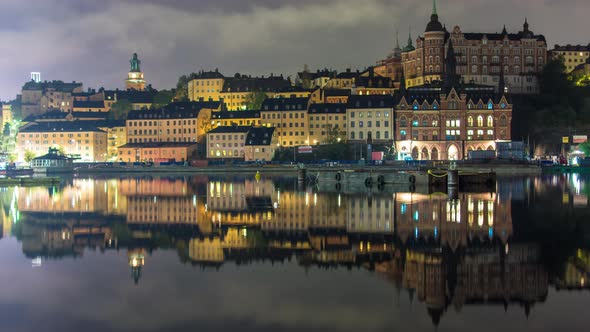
(397, 39)
(504, 32)
(526, 25)
(451, 78)
(409, 47)
(434, 7)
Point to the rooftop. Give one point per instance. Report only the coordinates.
(60, 126)
(327, 108)
(260, 135)
(372, 101)
(230, 129)
(285, 104)
(221, 115)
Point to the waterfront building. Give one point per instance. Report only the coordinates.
(481, 57)
(327, 123)
(135, 79)
(261, 144)
(39, 97)
(434, 123)
(157, 152)
(227, 142)
(370, 119)
(82, 139)
(289, 116)
(573, 55)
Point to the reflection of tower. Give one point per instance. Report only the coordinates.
(135, 80)
(136, 261)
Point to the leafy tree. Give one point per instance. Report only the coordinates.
(585, 147)
(120, 109)
(29, 155)
(255, 99)
(553, 78)
(12, 158)
(163, 98)
(335, 134)
(181, 92)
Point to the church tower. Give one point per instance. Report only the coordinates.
(135, 80)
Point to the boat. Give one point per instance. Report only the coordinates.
(53, 162)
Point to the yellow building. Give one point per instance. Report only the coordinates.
(327, 123)
(573, 55)
(116, 136)
(236, 90)
(227, 142)
(236, 118)
(206, 86)
(344, 80)
(135, 79)
(289, 116)
(78, 138)
(370, 117)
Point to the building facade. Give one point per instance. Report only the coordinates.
(370, 119)
(573, 55)
(481, 57)
(38, 98)
(435, 124)
(327, 123)
(261, 144)
(81, 139)
(227, 142)
(289, 116)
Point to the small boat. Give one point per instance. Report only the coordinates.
(53, 162)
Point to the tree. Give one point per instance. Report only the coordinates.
(255, 99)
(181, 93)
(585, 147)
(553, 78)
(29, 156)
(162, 98)
(335, 135)
(120, 109)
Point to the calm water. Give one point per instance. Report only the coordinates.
(226, 254)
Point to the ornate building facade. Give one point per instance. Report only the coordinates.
(481, 57)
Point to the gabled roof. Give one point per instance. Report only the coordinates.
(371, 101)
(260, 136)
(285, 104)
(572, 48)
(327, 108)
(229, 129)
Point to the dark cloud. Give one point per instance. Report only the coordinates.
(91, 41)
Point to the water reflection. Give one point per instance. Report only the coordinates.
(445, 253)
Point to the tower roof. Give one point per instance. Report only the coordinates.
(434, 25)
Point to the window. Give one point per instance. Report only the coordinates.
(490, 106)
(403, 135)
(480, 121)
(470, 121)
(490, 121)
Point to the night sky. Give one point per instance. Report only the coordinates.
(92, 41)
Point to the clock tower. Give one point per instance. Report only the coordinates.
(135, 79)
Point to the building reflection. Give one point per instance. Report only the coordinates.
(445, 253)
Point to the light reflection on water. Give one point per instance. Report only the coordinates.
(509, 249)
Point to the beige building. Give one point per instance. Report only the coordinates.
(573, 55)
(370, 117)
(289, 116)
(81, 139)
(206, 86)
(38, 98)
(176, 122)
(261, 144)
(327, 123)
(227, 142)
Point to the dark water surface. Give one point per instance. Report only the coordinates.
(236, 254)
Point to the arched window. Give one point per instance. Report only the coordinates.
(424, 121)
(490, 106)
(490, 121)
(503, 121)
(403, 122)
(480, 121)
(470, 121)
